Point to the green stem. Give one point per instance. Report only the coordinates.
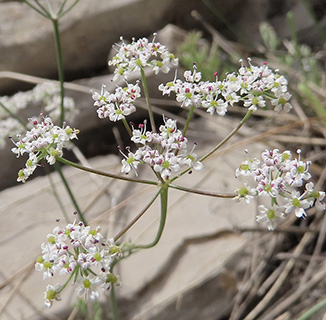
(13, 115)
(55, 193)
(69, 279)
(55, 23)
(73, 199)
(114, 304)
(307, 315)
(62, 6)
(203, 193)
(226, 139)
(122, 232)
(41, 12)
(230, 135)
(105, 174)
(164, 208)
(125, 123)
(149, 106)
(190, 114)
(62, 13)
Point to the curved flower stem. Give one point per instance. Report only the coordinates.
(55, 23)
(230, 135)
(132, 222)
(149, 106)
(226, 139)
(190, 114)
(105, 174)
(73, 199)
(204, 193)
(75, 271)
(125, 123)
(164, 208)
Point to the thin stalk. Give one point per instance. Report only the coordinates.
(73, 199)
(308, 314)
(55, 23)
(13, 115)
(61, 14)
(104, 174)
(190, 114)
(69, 279)
(56, 195)
(43, 13)
(114, 304)
(133, 221)
(226, 139)
(204, 193)
(125, 123)
(49, 12)
(62, 6)
(149, 106)
(164, 209)
(230, 135)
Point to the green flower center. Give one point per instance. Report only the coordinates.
(93, 232)
(254, 101)
(300, 169)
(21, 173)
(282, 101)
(50, 294)
(245, 167)
(47, 264)
(69, 130)
(296, 202)
(315, 194)
(166, 164)
(130, 160)
(270, 214)
(39, 259)
(87, 283)
(51, 240)
(111, 278)
(188, 95)
(243, 191)
(97, 257)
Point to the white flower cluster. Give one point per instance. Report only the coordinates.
(46, 94)
(116, 106)
(165, 152)
(79, 251)
(252, 85)
(279, 179)
(44, 140)
(140, 54)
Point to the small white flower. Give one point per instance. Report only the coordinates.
(88, 287)
(269, 216)
(52, 293)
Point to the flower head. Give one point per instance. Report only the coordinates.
(43, 141)
(77, 250)
(277, 177)
(141, 54)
